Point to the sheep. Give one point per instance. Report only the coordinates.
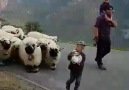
(6, 48)
(15, 48)
(3, 33)
(52, 53)
(9, 29)
(44, 46)
(30, 54)
(18, 32)
(38, 35)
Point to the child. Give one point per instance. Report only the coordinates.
(76, 68)
(104, 5)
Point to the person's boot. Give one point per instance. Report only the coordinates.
(76, 88)
(100, 64)
(101, 67)
(67, 87)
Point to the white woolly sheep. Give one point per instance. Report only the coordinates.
(15, 48)
(9, 29)
(6, 45)
(18, 32)
(3, 34)
(52, 54)
(39, 35)
(30, 54)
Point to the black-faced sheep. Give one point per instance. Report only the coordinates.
(52, 53)
(30, 54)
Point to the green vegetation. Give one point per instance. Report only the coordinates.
(32, 26)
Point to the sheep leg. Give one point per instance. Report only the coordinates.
(32, 69)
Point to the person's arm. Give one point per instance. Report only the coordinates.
(96, 30)
(112, 22)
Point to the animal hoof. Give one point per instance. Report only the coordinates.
(53, 69)
(32, 71)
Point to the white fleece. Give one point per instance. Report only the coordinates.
(39, 35)
(37, 55)
(18, 32)
(49, 60)
(2, 51)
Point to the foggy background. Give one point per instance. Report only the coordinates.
(70, 20)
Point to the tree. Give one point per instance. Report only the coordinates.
(32, 26)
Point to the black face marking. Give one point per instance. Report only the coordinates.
(29, 49)
(6, 45)
(53, 52)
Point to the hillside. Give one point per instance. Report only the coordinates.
(70, 20)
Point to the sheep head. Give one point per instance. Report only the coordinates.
(6, 44)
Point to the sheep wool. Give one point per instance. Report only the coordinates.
(37, 56)
(52, 61)
(39, 35)
(18, 32)
(9, 28)
(5, 54)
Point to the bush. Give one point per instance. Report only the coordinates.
(32, 26)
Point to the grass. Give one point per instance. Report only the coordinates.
(8, 81)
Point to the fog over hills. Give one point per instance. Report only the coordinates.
(70, 20)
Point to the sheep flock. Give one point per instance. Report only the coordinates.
(32, 50)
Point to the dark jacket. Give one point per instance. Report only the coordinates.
(75, 68)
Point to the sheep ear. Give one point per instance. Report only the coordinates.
(17, 30)
(23, 37)
(38, 43)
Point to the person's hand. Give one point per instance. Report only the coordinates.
(96, 40)
(109, 19)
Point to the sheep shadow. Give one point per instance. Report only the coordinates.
(15, 66)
